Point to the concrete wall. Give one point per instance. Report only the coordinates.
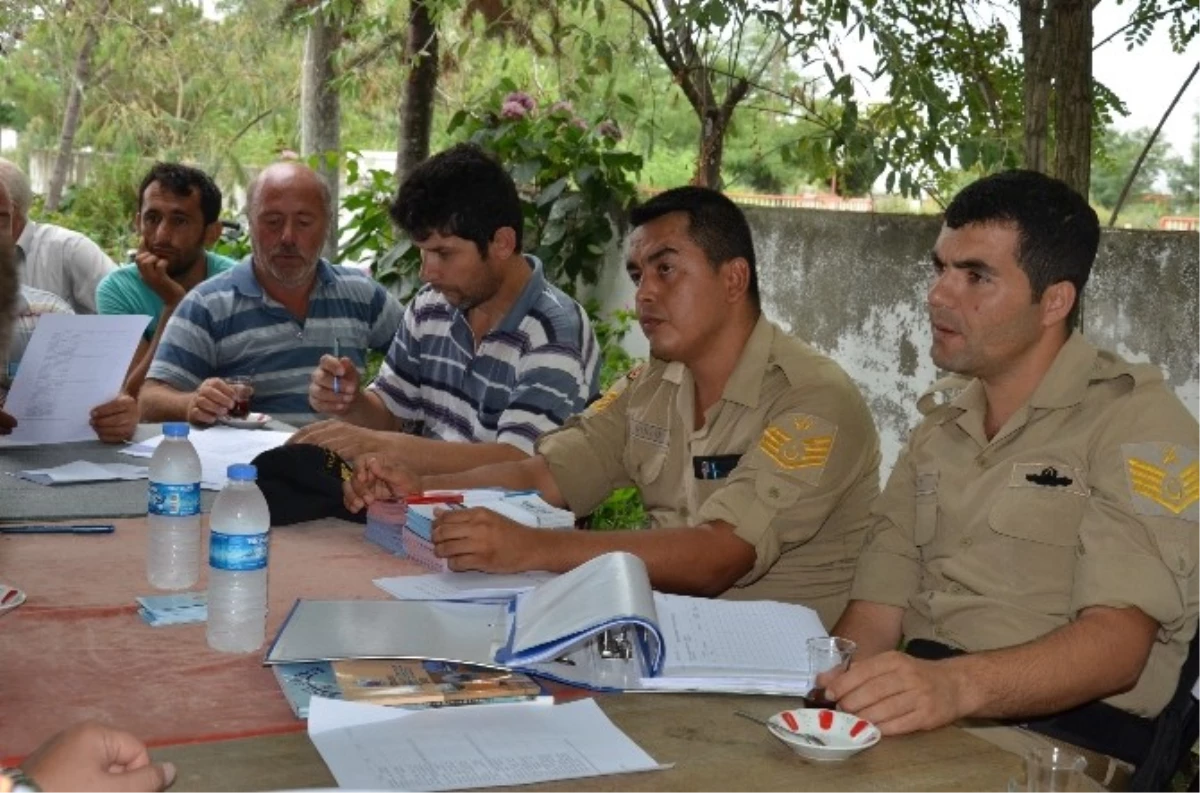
(853, 285)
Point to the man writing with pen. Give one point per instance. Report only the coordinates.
(755, 456)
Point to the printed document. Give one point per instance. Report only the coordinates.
(72, 364)
(473, 746)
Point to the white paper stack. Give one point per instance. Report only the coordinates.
(218, 448)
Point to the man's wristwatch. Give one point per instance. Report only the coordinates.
(15, 780)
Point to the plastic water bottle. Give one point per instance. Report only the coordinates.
(173, 556)
(237, 564)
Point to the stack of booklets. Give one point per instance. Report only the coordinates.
(406, 683)
(415, 538)
(599, 626)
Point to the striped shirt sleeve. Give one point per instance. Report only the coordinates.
(187, 353)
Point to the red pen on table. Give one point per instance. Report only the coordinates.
(434, 498)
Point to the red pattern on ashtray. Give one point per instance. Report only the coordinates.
(790, 721)
(858, 727)
(825, 719)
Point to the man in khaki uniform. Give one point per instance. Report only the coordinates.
(1043, 516)
(756, 456)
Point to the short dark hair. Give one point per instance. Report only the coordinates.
(181, 180)
(461, 192)
(716, 224)
(1058, 232)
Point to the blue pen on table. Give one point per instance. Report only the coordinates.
(337, 353)
(58, 528)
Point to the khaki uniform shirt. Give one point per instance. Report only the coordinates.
(1086, 497)
(788, 455)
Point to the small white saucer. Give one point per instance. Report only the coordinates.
(841, 733)
(252, 421)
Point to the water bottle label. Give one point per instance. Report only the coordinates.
(237, 551)
(174, 500)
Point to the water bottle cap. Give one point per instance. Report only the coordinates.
(242, 472)
(176, 429)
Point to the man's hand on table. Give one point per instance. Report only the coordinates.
(116, 421)
(376, 477)
(479, 539)
(344, 439)
(899, 693)
(93, 756)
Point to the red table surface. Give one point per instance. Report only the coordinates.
(77, 649)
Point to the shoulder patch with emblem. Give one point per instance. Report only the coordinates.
(799, 444)
(615, 390)
(1164, 479)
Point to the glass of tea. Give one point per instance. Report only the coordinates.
(824, 654)
(243, 389)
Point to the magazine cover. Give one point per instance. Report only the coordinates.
(430, 683)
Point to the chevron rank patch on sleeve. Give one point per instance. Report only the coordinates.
(1164, 479)
(799, 444)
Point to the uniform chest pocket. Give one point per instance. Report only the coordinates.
(1038, 515)
(1034, 536)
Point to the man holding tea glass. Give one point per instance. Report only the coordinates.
(1036, 543)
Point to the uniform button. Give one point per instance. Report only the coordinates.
(981, 462)
(937, 631)
(773, 492)
(966, 542)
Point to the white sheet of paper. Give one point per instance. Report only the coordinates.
(472, 746)
(84, 471)
(721, 645)
(460, 586)
(218, 448)
(73, 363)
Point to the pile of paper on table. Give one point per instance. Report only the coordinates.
(414, 538)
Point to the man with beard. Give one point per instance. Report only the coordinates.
(271, 317)
(755, 455)
(178, 217)
(490, 354)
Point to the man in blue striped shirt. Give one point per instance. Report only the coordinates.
(489, 356)
(270, 318)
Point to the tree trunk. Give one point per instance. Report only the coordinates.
(74, 109)
(1073, 94)
(320, 112)
(713, 124)
(1036, 38)
(416, 105)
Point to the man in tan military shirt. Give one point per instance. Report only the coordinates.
(1043, 516)
(755, 456)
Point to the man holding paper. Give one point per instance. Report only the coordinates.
(756, 456)
(114, 421)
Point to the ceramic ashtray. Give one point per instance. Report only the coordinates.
(823, 734)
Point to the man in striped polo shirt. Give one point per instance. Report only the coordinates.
(489, 356)
(270, 318)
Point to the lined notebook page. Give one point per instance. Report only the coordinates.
(711, 636)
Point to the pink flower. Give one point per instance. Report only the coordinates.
(608, 129)
(523, 99)
(513, 110)
(563, 106)
(579, 123)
